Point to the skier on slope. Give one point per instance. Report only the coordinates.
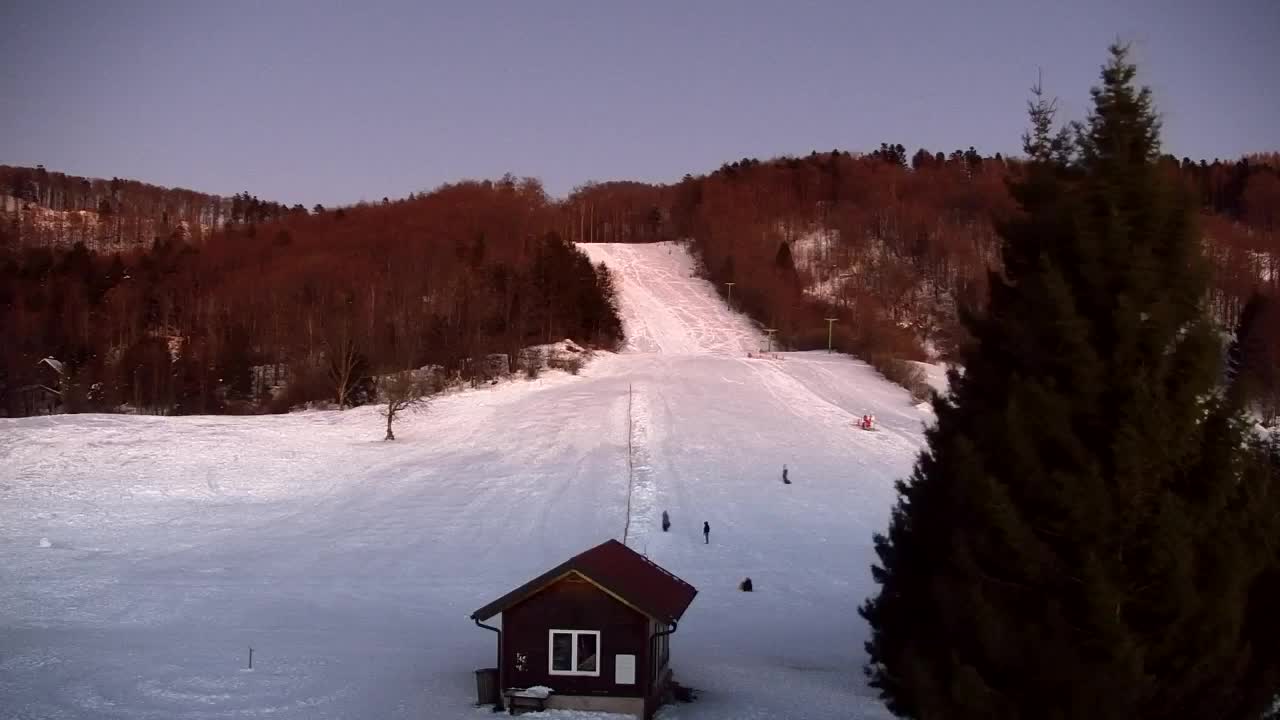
(706, 532)
(785, 481)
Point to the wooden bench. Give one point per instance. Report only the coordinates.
(519, 700)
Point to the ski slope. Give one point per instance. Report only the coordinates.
(140, 557)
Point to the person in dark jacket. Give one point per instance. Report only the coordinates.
(785, 481)
(706, 532)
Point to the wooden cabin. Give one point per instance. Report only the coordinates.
(594, 629)
(37, 400)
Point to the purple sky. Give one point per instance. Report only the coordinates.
(326, 102)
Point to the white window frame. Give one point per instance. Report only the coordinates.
(573, 654)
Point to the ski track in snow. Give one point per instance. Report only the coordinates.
(350, 565)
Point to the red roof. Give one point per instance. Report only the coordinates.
(620, 570)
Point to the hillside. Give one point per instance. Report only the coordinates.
(895, 245)
(261, 318)
(190, 320)
(140, 557)
(42, 208)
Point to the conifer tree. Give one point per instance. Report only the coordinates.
(1084, 536)
(1253, 362)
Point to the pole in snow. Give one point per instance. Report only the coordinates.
(250, 658)
(770, 332)
(730, 293)
(830, 324)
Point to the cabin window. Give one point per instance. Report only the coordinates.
(575, 652)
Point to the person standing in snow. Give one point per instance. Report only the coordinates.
(706, 532)
(785, 481)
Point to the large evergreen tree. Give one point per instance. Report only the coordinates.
(1084, 536)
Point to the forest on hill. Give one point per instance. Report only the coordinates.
(896, 240)
(42, 208)
(174, 301)
(898, 246)
(305, 306)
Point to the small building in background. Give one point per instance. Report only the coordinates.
(37, 400)
(43, 397)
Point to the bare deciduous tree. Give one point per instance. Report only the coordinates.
(401, 392)
(343, 361)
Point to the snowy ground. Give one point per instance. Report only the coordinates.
(141, 557)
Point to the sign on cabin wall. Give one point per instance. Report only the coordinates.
(624, 672)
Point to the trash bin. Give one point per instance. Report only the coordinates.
(487, 686)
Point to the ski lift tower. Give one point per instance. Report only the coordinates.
(770, 332)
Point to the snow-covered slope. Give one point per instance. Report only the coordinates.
(666, 308)
(141, 557)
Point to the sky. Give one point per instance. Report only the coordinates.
(332, 102)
